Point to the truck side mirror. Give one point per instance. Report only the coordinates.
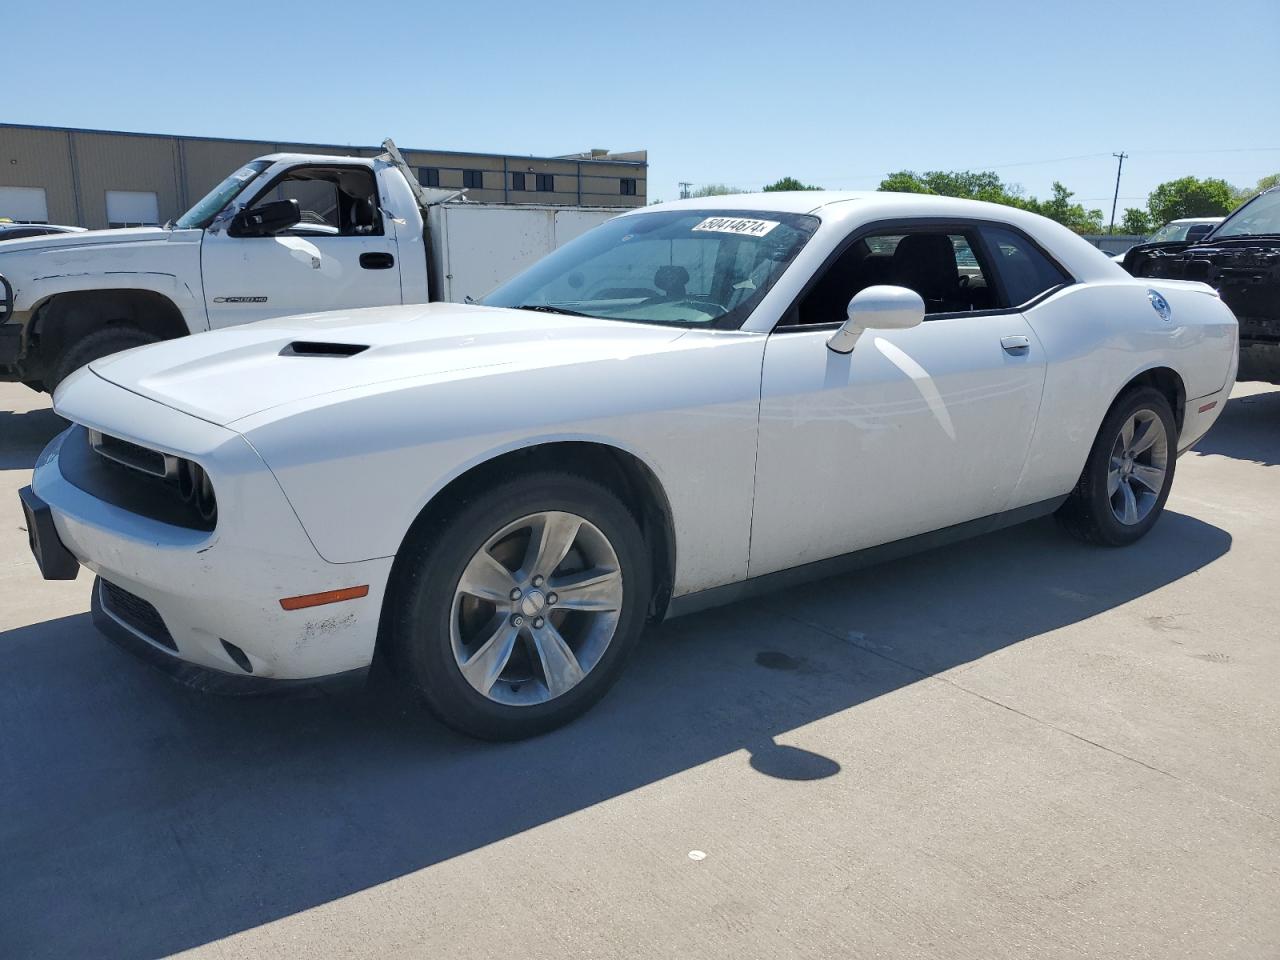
(266, 219)
(878, 308)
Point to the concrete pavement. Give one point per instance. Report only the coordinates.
(1013, 747)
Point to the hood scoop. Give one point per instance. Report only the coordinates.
(320, 348)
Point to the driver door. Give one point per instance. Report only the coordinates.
(913, 431)
(341, 255)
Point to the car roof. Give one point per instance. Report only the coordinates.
(1083, 260)
(837, 203)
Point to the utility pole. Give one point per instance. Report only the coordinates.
(1120, 166)
(684, 189)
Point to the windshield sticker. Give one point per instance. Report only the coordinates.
(738, 225)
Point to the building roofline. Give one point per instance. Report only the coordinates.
(296, 143)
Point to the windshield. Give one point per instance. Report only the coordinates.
(203, 212)
(706, 268)
(1260, 216)
(1170, 232)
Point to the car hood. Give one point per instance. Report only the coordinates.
(86, 238)
(226, 375)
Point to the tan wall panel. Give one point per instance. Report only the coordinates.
(534, 165)
(209, 162)
(179, 177)
(118, 162)
(324, 150)
(39, 158)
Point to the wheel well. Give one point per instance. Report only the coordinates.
(622, 473)
(1167, 382)
(67, 317)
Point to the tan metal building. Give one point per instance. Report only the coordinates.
(100, 178)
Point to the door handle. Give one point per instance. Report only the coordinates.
(377, 261)
(1015, 344)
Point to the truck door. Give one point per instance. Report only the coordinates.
(341, 255)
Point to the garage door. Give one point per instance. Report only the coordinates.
(132, 208)
(24, 204)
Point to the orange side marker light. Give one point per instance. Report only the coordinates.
(329, 596)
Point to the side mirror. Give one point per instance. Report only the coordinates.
(266, 219)
(877, 308)
(1198, 231)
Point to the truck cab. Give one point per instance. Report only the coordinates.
(284, 234)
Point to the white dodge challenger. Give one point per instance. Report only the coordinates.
(691, 402)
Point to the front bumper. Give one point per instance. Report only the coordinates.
(129, 637)
(212, 589)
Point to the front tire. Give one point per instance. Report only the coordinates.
(1126, 480)
(99, 344)
(517, 613)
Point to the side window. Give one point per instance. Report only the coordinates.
(939, 265)
(1026, 272)
(317, 200)
(333, 201)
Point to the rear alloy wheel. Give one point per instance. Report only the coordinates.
(516, 614)
(1137, 467)
(1125, 483)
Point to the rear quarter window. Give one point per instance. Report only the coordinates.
(1026, 272)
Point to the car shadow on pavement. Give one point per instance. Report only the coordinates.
(142, 818)
(24, 434)
(1249, 429)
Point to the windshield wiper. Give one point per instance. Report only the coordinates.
(547, 308)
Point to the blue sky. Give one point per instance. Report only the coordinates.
(835, 93)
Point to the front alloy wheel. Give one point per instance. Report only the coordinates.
(515, 613)
(536, 608)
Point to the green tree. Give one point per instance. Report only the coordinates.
(1248, 193)
(986, 185)
(1136, 222)
(982, 185)
(715, 190)
(789, 183)
(1191, 197)
(1073, 215)
(904, 181)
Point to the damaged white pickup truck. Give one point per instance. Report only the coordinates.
(285, 234)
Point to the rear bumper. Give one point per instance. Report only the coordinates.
(1202, 413)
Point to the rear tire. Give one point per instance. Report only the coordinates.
(492, 648)
(99, 344)
(1126, 480)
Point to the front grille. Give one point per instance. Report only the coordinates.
(137, 613)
